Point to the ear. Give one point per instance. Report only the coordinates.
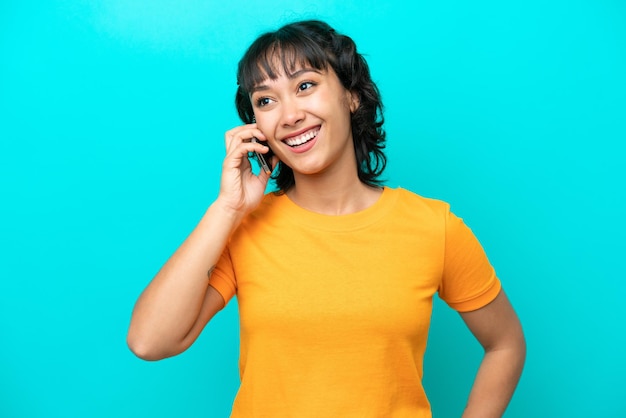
(354, 101)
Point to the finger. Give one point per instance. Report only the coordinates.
(246, 137)
(237, 153)
(243, 133)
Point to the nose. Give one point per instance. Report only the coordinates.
(292, 113)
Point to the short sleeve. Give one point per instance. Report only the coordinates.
(223, 277)
(469, 281)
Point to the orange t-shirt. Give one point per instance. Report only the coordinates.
(335, 310)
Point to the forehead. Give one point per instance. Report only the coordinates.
(289, 73)
(277, 61)
(269, 83)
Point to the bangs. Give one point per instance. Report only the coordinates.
(314, 45)
(279, 53)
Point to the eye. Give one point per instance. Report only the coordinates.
(263, 101)
(305, 85)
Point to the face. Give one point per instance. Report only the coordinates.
(306, 119)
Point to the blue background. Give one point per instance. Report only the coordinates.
(112, 116)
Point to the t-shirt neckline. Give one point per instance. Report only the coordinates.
(338, 223)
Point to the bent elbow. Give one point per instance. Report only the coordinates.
(144, 349)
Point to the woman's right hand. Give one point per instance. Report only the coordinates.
(174, 308)
(241, 190)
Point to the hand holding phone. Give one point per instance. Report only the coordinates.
(264, 159)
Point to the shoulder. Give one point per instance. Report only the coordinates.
(435, 211)
(270, 212)
(270, 203)
(408, 200)
(418, 214)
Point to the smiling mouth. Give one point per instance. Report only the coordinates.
(302, 138)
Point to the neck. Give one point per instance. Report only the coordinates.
(331, 197)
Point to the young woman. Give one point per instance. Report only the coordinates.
(334, 273)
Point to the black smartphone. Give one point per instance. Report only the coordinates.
(265, 160)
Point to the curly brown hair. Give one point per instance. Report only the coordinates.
(316, 44)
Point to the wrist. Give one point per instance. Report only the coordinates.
(226, 212)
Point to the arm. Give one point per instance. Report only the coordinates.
(177, 304)
(497, 328)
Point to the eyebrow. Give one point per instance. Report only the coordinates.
(262, 87)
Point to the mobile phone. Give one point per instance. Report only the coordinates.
(264, 159)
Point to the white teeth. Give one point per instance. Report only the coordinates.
(301, 139)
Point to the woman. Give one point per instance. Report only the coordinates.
(334, 273)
